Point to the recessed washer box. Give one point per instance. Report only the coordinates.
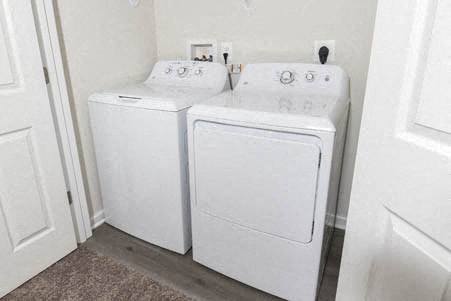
(202, 48)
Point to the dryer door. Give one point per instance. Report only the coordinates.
(260, 179)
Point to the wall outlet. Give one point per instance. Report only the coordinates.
(227, 47)
(329, 44)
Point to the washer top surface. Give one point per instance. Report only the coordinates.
(287, 95)
(172, 86)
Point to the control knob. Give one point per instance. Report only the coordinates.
(168, 70)
(309, 76)
(287, 77)
(182, 71)
(198, 72)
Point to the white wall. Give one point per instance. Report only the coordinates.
(279, 31)
(106, 42)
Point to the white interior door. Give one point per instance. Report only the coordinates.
(35, 222)
(398, 239)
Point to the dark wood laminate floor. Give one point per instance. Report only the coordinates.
(190, 278)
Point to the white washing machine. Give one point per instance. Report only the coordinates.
(265, 166)
(140, 144)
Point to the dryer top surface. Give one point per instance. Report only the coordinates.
(288, 95)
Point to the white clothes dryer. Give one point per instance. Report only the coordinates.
(265, 166)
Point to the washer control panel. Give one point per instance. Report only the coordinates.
(188, 73)
(183, 70)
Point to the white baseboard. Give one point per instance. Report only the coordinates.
(340, 222)
(97, 220)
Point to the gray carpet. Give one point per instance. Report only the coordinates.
(87, 275)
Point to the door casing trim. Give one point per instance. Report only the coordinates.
(51, 54)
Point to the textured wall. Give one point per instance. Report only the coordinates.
(279, 31)
(106, 42)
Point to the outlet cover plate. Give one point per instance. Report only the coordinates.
(227, 47)
(329, 44)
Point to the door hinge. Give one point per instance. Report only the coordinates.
(69, 197)
(46, 75)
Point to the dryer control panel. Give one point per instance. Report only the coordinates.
(297, 78)
(188, 74)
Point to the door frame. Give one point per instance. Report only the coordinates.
(47, 31)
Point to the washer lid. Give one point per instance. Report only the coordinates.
(154, 97)
(315, 112)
